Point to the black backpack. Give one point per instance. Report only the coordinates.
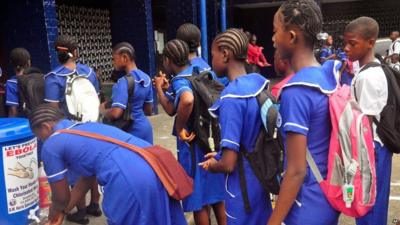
(266, 159)
(206, 90)
(31, 90)
(388, 126)
(125, 121)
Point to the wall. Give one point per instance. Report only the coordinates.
(131, 21)
(22, 24)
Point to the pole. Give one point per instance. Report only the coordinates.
(223, 15)
(203, 23)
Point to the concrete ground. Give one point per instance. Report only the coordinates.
(162, 125)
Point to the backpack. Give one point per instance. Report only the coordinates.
(31, 90)
(171, 174)
(81, 99)
(350, 185)
(388, 126)
(266, 159)
(206, 90)
(125, 121)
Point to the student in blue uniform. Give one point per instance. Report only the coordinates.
(208, 187)
(305, 117)
(327, 51)
(142, 99)
(240, 120)
(191, 34)
(55, 82)
(133, 194)
(20, 60)
(369, 87)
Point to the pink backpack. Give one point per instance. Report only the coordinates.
(350, 186)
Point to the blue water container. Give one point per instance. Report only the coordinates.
(19, 185)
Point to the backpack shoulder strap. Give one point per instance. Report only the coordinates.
(165, 179)
(313, 167)
(131, 88)
(242, 180)
(369, 65)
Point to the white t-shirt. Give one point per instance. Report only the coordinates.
(370, 87)
(394, 47)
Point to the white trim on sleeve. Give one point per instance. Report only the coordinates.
(229, 141)
(295, 125)
(48, 100)
(59, 173)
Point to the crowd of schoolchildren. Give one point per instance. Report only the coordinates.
(134, 194)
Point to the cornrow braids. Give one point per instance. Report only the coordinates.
(125, 48)
(234, 40)
(304, 14)
(64, 46)
(19, 58)
(177, 51)
(190, 34)
(44, 113)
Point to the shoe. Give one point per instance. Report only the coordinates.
(78, 217)
(94, 210)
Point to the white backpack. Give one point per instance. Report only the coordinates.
(81, 98)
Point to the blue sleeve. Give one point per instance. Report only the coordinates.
(12, 97)
(324, 53)
(120, 94)
(52, 156)
(231, 123)
(52, 88)
(295, 109)
(149, 96)
(170, 94)
(180, 86)
(94, 80)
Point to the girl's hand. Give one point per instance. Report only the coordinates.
(160, 81)
(210, 155)
(185, 136)
(206, 164)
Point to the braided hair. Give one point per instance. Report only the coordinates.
(304, 14)
(190, 34)
(44, 113)
(235, 41)
(125, 48)
(19, 58)
(65, 46)
(177, 51)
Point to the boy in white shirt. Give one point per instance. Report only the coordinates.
(370, 89)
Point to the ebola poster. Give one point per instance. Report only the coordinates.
(21, 175)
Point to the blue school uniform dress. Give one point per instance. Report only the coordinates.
(143, 93)
(133, 194)
(12, 94)
(240, 120)
(55, 83)
(305, 110)
(208, 187)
